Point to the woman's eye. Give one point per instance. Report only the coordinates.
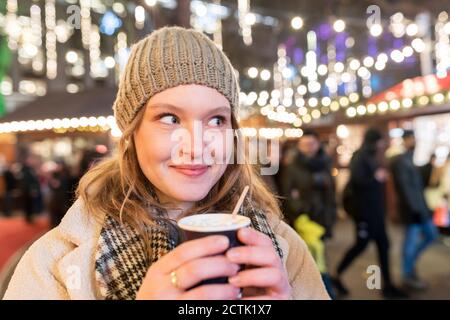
(169, 119)
(216, 121)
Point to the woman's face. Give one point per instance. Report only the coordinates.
(171, 146)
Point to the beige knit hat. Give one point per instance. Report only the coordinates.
(169, 57)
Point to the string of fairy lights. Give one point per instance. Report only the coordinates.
(87, 124)
(108, 123)
(396, 104)
(297, 91)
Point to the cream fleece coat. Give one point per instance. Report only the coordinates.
(60, 265)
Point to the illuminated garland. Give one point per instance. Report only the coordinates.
(87, 124)
(395, 104)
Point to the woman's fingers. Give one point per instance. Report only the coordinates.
(192, 272)
(256, 256)
(252, 237)
(259, 277)
(258, 249)
(191, 250)
(212, 292)
(272, 279)
(158, 283)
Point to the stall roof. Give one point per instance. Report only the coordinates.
(58, 105)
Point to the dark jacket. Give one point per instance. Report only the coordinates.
(29, 182)
(309, 189)
(368, 194)
(409, 187)
(10, 180)
(61, 195)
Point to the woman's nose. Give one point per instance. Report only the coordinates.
(194, 147)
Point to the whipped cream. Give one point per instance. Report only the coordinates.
(213, 222)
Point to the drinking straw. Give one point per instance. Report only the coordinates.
(240, 201)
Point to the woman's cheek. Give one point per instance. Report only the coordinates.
(163, 147)
(154, 147)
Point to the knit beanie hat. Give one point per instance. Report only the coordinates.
(169, 57)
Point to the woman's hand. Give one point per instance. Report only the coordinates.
(192, 262)
(269, 273)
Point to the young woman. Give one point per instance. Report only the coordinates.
(120, 241)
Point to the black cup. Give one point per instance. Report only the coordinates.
(208, 224)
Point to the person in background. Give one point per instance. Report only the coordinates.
(30, 188)
(420, 230)
(309, 189)
(364, 201)
(271, 167)
(10, 185)
(288, 151)
(89, 158)
(287, 154)
(60, 184)
(308, 185)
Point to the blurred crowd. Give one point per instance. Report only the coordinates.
(33, 186)
(306, 184)
(307, 189)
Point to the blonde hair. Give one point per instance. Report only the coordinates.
(116, 186)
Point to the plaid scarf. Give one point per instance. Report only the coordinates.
(121, 259)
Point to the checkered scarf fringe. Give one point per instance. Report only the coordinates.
(121, 261)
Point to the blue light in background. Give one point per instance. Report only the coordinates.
(375, 82)
(341, 89)
(110, 23)
(291, 73)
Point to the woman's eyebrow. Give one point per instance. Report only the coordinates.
(171, 107)
(219, 109)
(166, 106)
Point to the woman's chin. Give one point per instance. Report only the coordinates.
(190, 196)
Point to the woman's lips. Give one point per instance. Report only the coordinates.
(191, 170)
